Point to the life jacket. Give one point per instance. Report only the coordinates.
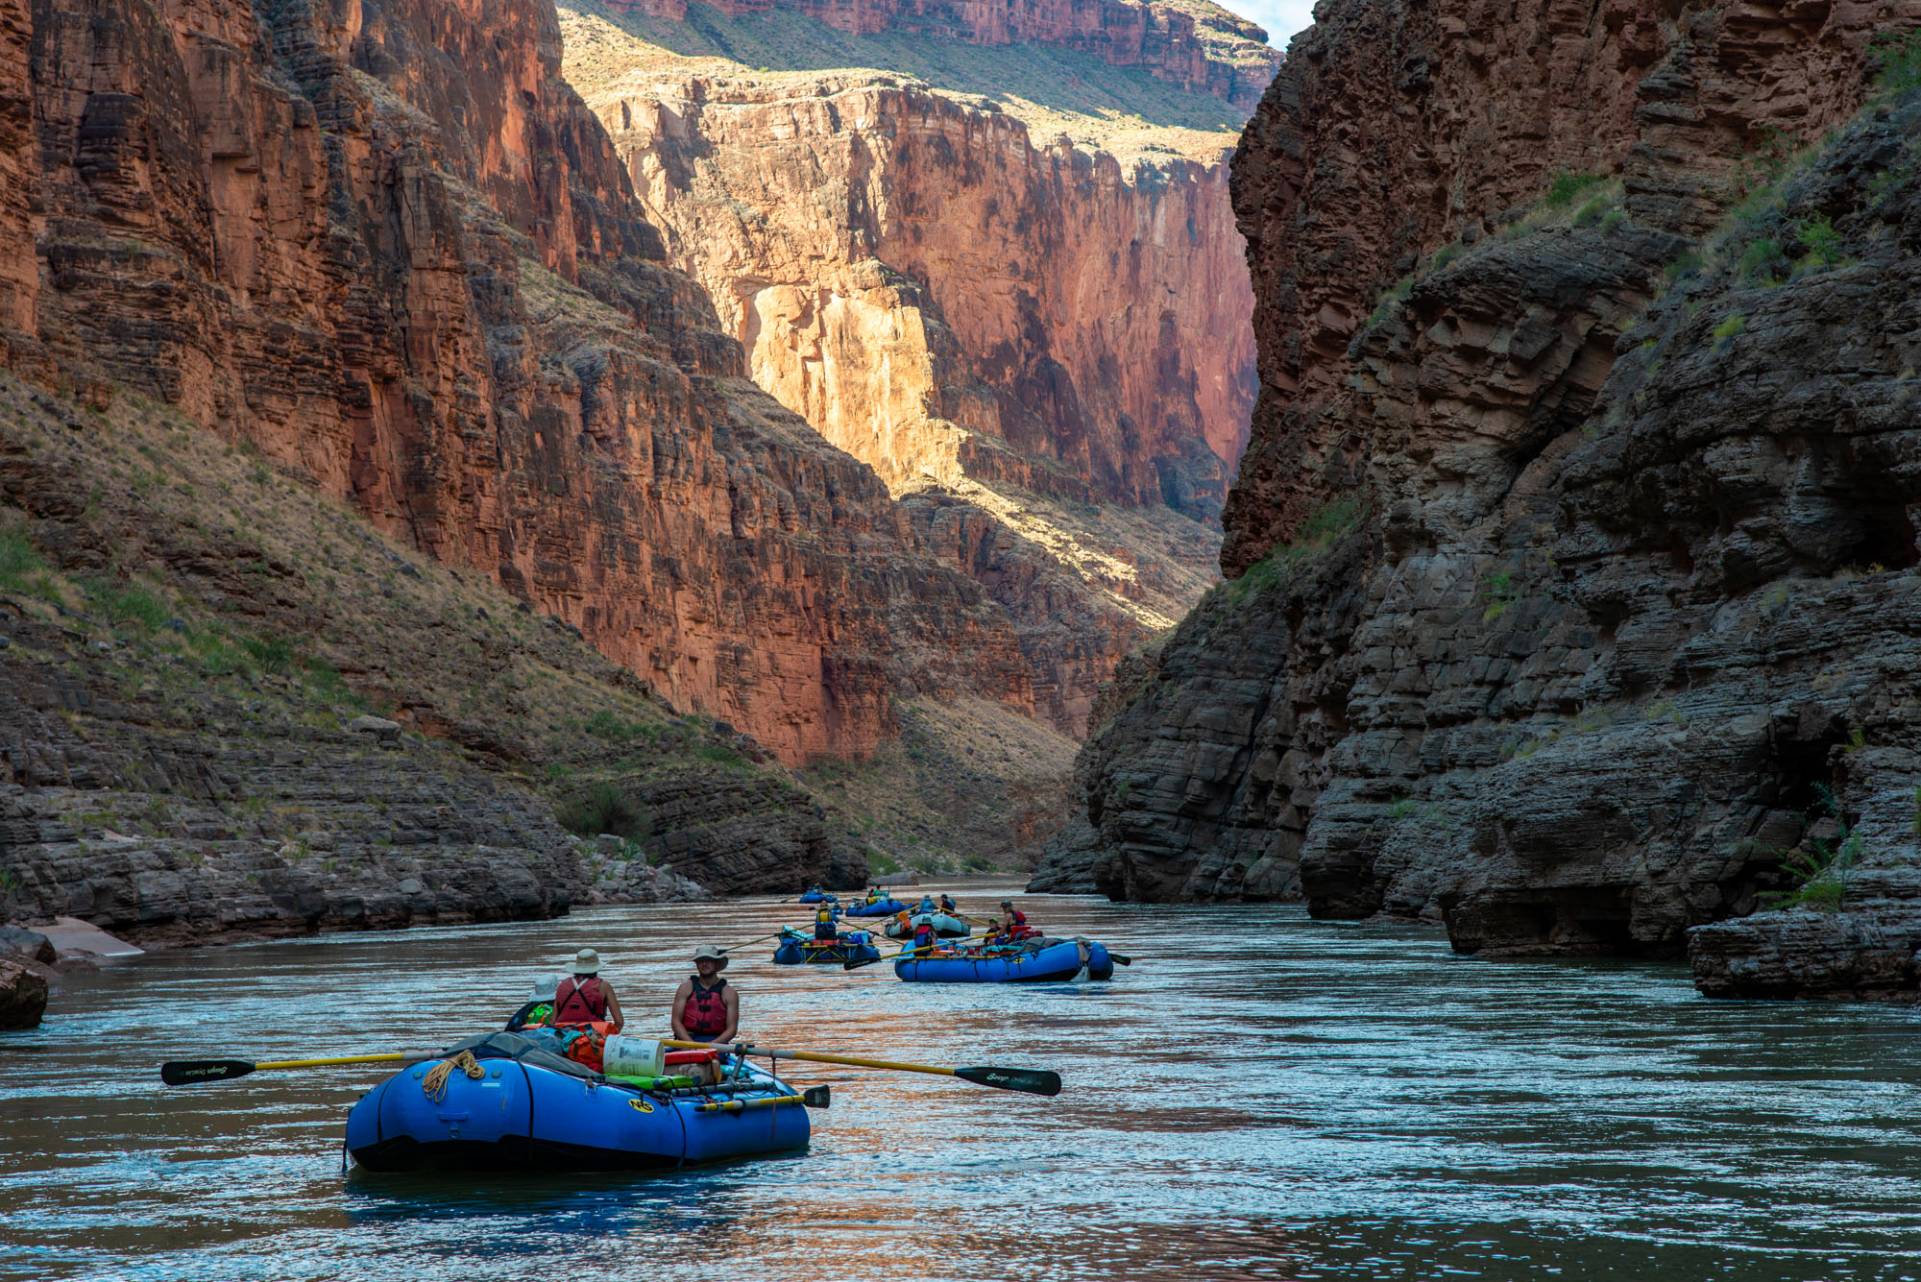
(705, 1013)
(589, 1049)
(947, 905)
(580, 1001)
(1018, 917)
(824, 927)
(924, 936)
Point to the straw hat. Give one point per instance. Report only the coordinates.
(586, 962)
(707, 952)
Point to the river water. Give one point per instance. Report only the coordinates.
(1258, 1096)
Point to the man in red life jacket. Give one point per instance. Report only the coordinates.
(1012, 925)
(925, 937)
(584, 997)
(705, 1008)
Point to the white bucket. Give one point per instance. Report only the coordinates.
(633, 1057)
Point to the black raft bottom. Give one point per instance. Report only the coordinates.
(516, 1153)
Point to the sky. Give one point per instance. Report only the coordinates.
(1282, 18)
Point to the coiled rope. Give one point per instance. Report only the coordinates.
(435, 1083)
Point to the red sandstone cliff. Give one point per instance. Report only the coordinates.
(1050, 336)
(390, 247)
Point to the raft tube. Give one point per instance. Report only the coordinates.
(879, 908)
(945, 926)
(798, 950)
(1055, 961)
(816, 897)
(537, 1111)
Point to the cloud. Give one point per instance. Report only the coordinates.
(1282, 18)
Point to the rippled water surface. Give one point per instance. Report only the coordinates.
(1259, 1096)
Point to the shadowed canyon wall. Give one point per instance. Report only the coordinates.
(1044, 345)
(1574, 596)
(386, 244)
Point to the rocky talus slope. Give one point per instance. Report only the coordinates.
(1576, 589)
(1007, 278)
(230, 708)
(390, 247)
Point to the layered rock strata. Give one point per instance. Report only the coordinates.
(390, 247)
(1197, 46)
(228, 708)
(1013, 329)
(1576, 571)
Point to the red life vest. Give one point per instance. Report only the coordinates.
(705, 1014)
(580, 1000)
(924, 936)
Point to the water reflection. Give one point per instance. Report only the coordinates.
(1260, 1096)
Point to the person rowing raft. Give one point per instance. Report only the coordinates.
(706, 1009)
(948, 906)
(824, 927)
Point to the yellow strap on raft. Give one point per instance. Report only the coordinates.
(435, 1084)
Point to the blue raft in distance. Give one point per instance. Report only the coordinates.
(797, 949)
(532, 1110)
(816, 897)
(1056, 961)
(879, 908)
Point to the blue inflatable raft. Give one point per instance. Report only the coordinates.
(1054, 960)
(796, 949)
(879, 908)
(817, 897)
(531, 1109)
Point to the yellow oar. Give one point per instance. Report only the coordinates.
(186, 1072)
(1035, 1081)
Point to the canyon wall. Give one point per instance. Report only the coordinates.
(1574, 573)
(1197, 46)
(1045, 344)
(387, 245)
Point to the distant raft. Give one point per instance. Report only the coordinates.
(531, 1109)
(817, 897)
(798, 949)
(878, 908)
(945, 925)
(1036, 961)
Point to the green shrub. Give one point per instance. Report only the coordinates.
(269, 654)
(605, 808)
(1818, 873)
(1443, 256)
(1566, 186)
(1686, 264)
(1389, 302)
(1759, 259)
(1730, 327)
(18, 561)
(1897, 60)
(130, 604)
(1821, 241)
(1501, 594)
(720, 754)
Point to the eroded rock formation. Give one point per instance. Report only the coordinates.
(1043, 337)
(388, 245)
(1576, 574)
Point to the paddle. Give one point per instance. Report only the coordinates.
(812, 1097)
(869, 961)
(187, 1072)
(1034, 1081)
(763, 939)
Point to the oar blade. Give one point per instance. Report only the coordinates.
(1035, 1081)
(817, 1096)
(187, 1072)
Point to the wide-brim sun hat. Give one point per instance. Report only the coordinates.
(586, 962)
(708, 952)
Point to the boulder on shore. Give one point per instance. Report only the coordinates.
(23, 996)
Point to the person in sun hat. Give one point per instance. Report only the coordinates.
(584, 997)
(706, 1009)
